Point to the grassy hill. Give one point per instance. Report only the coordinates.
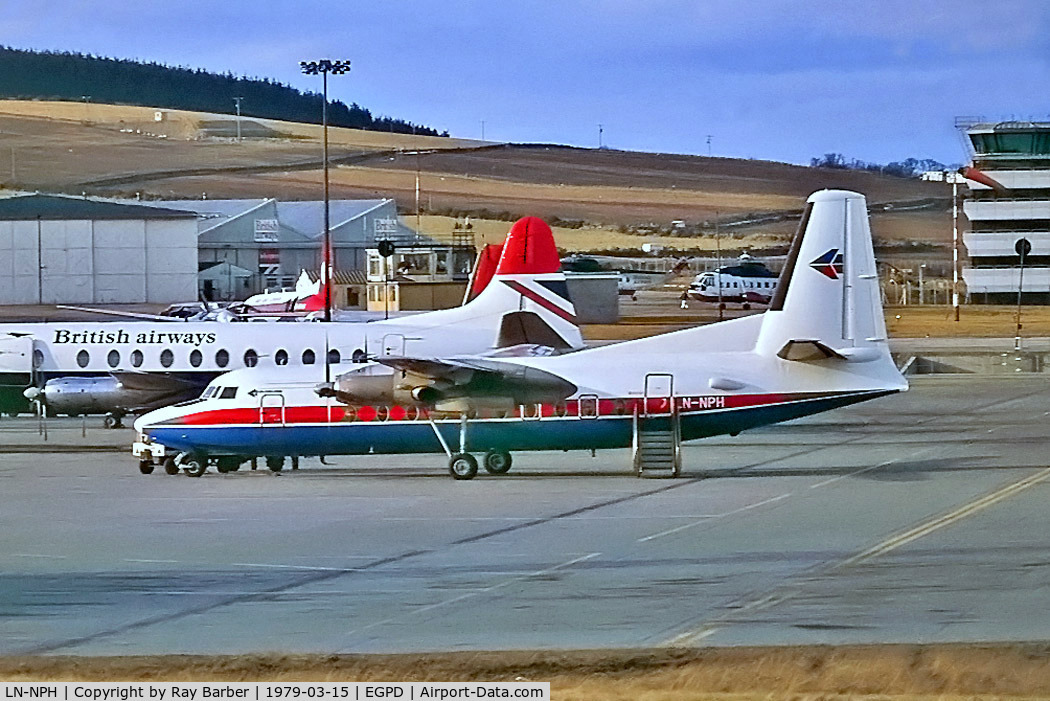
(608, 198)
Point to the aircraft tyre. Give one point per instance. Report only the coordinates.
(275, 463)
(497, 462)
(146, 466)
(227, 464)
(195, 465)
(745, 306)
(463, 466)
(112, 421)
(169, 465)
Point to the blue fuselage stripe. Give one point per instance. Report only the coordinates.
(360, 438)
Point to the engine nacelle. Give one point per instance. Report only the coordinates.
(105, 395)
(377, 384)
(84, 395)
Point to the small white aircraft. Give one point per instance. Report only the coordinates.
(821, 345)
(122, 367)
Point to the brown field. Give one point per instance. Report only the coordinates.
(77, 147)
(876, 671)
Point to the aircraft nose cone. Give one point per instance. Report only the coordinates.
(32, 393)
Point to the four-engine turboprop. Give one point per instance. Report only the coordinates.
(122, 367)
(821, 345)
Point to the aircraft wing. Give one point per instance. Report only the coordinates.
(153, 382)
(455, 382)
(113, 312)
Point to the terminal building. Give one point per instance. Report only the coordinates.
(1010, 203)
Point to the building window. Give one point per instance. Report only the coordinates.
(113, 358)
(333, 356)
(136, 358)
(251, 358)
(281, 357)
(222, 358)
(196, 358)
(309, 357)
(167, 357)
(83, 358)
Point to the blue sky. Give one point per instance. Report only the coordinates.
(771, 79)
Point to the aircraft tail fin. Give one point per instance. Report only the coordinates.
(484, 269)
(527, 278)
(827, 302)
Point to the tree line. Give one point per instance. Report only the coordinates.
(62, 75)
(908, 168)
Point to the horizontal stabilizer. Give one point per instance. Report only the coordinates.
(521, 328)
(808, 351)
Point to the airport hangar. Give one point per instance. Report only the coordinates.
(57, 249)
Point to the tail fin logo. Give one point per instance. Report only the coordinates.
(829, 264)
(539, 299)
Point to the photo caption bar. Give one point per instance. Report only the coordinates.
(271, 691)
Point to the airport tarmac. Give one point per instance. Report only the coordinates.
(914, 518)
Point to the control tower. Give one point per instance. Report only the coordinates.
(1008, 204)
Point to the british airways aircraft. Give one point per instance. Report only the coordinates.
(120, 367)
(821, 345)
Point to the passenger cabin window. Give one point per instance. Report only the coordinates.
(83, 358)
(113, 358)
(251, 358)
(309, 357)
(222, 357)
(228, 393)
(136, 358)
(196, 358)
(167, 357)
(38, 358)
(281, 357)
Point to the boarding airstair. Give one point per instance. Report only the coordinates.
(657, 439)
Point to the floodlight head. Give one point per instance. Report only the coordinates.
(309, 67)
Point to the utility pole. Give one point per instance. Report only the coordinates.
(600, 130)
(237, 102)
(718, 270)
(955, 243)
(709, 145)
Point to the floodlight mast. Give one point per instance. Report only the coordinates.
(324, 67)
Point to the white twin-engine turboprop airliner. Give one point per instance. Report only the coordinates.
(821, 345)
(80, 368)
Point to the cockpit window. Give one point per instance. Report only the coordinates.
(208, 391)
(228, 393)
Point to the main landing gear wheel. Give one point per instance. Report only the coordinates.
(275, 462)
(497, 462)
(112, 421)
(146, 467)
(195, 465)
(227, 464)
(463, 466)
(170, 466)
